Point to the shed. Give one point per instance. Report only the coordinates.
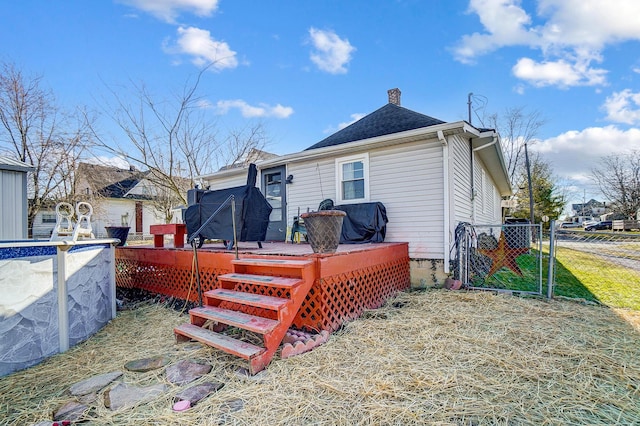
(13, 193)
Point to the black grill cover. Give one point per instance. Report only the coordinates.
(252, 212)
(364, 223)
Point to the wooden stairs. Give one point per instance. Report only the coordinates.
(261, 296)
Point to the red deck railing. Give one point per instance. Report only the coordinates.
(346, 283)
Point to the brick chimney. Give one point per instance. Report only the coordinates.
(394, 96)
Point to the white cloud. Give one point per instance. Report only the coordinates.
(505, 24)
(331, 53)
(168, 10)
(203, 49)
(574, 153)
(623, 107)
(571, 36)
(249, 111)
(558, 73)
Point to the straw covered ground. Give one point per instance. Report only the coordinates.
(428, 357)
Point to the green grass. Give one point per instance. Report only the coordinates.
(577, 275)
(587, 276)
(508, 280)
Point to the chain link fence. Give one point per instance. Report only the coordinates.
(600, 266)
(505, 257)
(591, 264)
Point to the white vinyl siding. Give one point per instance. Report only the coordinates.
(408, 179)
(461, 179)
(230, 181)
(312, 182)
(487, 202)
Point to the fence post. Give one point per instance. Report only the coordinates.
(552, 256)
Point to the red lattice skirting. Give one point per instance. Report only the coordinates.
(346, 283)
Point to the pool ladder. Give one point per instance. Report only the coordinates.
(67, 227)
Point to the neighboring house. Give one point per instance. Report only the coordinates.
(587, 211)
(119, 197)
(253, 156)
(13, 193)
(429, 174)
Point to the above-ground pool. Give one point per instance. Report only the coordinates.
(53, 295)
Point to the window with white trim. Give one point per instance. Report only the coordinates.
(352, 185)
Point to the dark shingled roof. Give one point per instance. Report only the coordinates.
(389, 119)
(110, 182)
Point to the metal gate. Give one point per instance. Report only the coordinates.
(505, 257)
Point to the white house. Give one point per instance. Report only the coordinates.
(429, 174)
(13, 193)
(120, 197)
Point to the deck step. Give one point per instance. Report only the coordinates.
(251, 299)
(220, 341)
(280, 282)
(278, 263)
(235, 318)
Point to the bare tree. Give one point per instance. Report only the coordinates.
(618, 177)
(517, 127)
(174, 139)
(35, 130)
(549, 198)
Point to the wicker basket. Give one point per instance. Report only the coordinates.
(323, 229)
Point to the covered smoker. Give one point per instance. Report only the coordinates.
(252, 212)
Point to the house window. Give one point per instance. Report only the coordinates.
(48, 218)
(352, 179)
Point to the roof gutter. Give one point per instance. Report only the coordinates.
(487, 145)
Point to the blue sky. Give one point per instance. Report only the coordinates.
(306, 68)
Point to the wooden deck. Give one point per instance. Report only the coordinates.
(355, 278)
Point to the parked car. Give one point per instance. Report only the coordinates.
(605, 224)
(588, 223)
(565, 225)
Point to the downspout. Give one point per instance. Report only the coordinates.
(473, 189)
(447, 221)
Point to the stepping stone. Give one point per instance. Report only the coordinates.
(88, 399)
(94, 384)
(198, 392)
(71, 411)
(124, 396)
(183, 372)
(147, 364)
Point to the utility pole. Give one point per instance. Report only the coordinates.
(526, 159)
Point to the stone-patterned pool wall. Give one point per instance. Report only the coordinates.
(53, 295)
